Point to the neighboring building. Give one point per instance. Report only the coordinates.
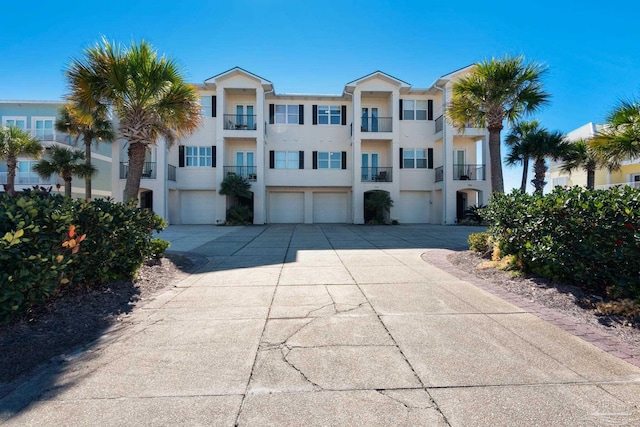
(628, 174)
(38, 117)
(315, 158)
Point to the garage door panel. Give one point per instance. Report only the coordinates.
(198, 207)
(330, 207)
(286, 208)
(414, 207)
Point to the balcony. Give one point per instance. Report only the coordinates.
(148, 171)
(240, 122)
(376, 124)
(376, 174)
(439, 124)
(632, 184)
(29, 178)
(171, 173)
(247, 172)
(51, 135)
(463, 172)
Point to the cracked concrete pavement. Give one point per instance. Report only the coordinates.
(317, 325)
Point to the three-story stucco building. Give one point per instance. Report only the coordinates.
(315, 158)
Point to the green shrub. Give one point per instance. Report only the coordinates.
(480, 242)
(239, 215)
(590, 238)
(474, 214)
(48, 241)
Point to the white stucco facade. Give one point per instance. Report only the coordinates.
(314, 158)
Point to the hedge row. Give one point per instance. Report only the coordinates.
(589, 238)
(48, 242)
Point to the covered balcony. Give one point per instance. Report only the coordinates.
(376, 124)
(148, 172)
(240, 122)
(463, 172)
(376, 174)
(247, 172)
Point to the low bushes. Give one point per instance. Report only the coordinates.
(49, 242)
(589, 238)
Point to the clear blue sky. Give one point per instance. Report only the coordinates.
(593, 54)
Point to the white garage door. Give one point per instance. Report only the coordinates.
(330, 207)
(414, 207)
(286, 208)
(198, 207)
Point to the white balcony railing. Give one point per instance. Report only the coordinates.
(29, 178)
(634, 184)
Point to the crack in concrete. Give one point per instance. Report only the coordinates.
(316, 386)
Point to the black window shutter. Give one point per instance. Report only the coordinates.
(300, 159)
(314, 112)
(213, 156)
(344, 160)
(430, 109)
(300, 114)
(272, 159)
(344, 115)
(315, 160)
(430, 158)
(401, 159)
(181, 156)
(214, 106)
(271, 114)
(401, 109)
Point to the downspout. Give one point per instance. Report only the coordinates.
(444, 153)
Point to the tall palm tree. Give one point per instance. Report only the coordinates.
(92, 127)
(497, 90)
(619, 140)
(519, 142)
(64, 162)
(582, 156)
(147, 93)
(15, 142)
(545, 145)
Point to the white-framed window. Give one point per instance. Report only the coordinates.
(287, 159)
(25, 174)
(329, 114)
(42, 128)
(197, 156)
(329, 160)
(17, 121)
(206, 106)
(414, 109)
(414, 158)
(287, 114)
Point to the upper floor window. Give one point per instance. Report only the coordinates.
(414, 158)
(287, 159)
(19, 122)
(414, 109)
(330, 160)
(329, 115)
(206, 106)
(287, 114)
(197, 156)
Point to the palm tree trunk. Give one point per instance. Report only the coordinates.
(12, 164)
(495, 158)
(539, 170)
(87, 160)
(525, 172)
(591, 178)
(67, 185)
(137, 151)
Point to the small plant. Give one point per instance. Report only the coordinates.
(474, 214)
(480, 243)
(239, 215)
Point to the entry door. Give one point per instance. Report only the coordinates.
(369, 166)
(245, 121)
(459, 160)
(245, 163)
(370, 119)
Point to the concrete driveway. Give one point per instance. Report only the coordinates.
(318, 325)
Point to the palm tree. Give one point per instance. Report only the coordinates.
(619, 140)
(91, 127)
(545, 145)
(495, 91)
(64, 162)
(582, 156)
(15, 142)
(519, 141)
(147, 93)
(236, 187)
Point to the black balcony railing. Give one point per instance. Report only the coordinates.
(439, 174)
(439, 124)
(240, 121)
(248, 172)
(171, 173)
(464, 172)
(376, 174)
(376, 124)
(148, 171)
